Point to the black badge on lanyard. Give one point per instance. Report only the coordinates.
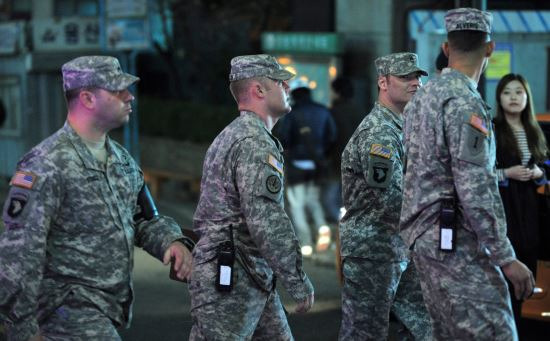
(447, 231)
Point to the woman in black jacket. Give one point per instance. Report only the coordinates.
(521, 150)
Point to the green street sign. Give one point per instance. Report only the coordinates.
(300, 42)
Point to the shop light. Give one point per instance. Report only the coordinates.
(284, 60)
(332, 71)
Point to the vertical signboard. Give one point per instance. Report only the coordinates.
(11, 37)
(127, 25)
(500, 62)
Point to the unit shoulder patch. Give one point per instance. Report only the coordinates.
(15, 206)
(380, 172)
(23, 179)
(380, 150)
(273, 184)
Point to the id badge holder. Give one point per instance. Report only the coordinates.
(226, 258)
(447, 231)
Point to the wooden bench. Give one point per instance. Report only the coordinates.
(155, 177)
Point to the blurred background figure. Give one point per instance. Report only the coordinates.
(441, 61)
(347, 115)
(521, 152)
(2, 114)
(306, 134)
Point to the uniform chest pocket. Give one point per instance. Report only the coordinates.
(93, 183)
(127, 179)
(474, 146)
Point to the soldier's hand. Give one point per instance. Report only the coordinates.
(519, 173)
(182, 259)
(521, 277)
(305, 305)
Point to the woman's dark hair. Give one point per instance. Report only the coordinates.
(441, 61)
(505, 136)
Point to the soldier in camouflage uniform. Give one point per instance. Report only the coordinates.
(377, 274)
(72, 218)
(450, 147)
(242, 187)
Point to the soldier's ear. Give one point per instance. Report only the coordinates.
(87, 98)
(445, 48)
(258, 89)
(489, 49)
(383, 82)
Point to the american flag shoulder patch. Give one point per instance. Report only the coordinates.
(380, 150)
(23, 179)
(272, 160)
(478, 123)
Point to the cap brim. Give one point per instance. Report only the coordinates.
(125, 81)
(282, 75)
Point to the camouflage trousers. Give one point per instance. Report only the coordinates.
(245, 313)
(78, 322)
(466, 295)
(374, 288)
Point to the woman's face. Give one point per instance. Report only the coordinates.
(513, 98)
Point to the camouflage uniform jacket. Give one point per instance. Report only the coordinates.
(242, 185)
(372, 176)
(450, 146)
(73, 233)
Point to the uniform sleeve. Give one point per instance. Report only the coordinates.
(156, 235)
(471, 144)
(27, 214)
(261, 193)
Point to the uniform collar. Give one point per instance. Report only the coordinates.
(253, 119)
(396, 118)
(470, 83)
(113, 153)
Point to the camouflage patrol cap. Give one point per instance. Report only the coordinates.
(398, 64)
(461, 19)
(95, 71)
(257, 65)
